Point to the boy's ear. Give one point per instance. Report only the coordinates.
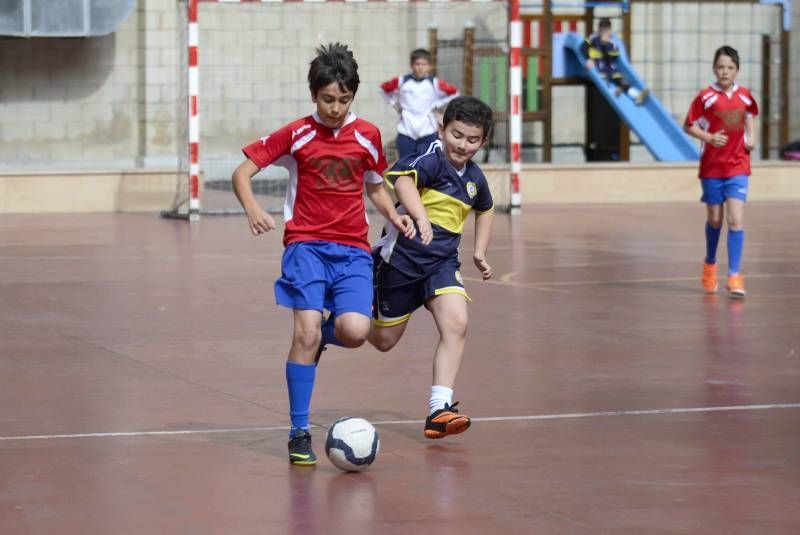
(313, 96)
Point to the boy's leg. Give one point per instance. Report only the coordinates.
(395, 297)
(450, 314)
(350, 298)
(301, 287)
(385, 338)
(736, 193)
(300, 376)
(405, 146)
(713, 198)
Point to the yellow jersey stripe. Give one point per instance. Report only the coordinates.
(444, 210)
(397, 174)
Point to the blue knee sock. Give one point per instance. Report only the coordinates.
(300, 380)
(712, 239)
(327, 332)
(735, 246)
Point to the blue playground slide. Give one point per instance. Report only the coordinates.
(651, 122)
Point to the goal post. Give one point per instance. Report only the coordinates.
(244, 70)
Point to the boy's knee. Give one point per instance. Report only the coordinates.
(353, 332)
(457, 325)
(383, 344)
(307, 339)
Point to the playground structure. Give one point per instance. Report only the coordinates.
(543, 69)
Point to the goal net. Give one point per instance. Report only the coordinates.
(253, 64)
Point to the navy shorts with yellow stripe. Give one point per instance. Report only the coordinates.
(397, 295)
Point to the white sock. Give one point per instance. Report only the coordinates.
(439, 396)
(633, 92)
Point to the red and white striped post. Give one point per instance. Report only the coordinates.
(515, 89)
(194, 122)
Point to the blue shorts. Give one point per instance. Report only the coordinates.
(717, 190)
(321, 274)
(397, 295)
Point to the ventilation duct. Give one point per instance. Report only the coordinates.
(62, 18)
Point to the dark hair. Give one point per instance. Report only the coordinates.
(471, 111)
(420, 53)
(605, 22)
(334, 63)
(729, 51)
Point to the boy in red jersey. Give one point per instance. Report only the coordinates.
(415, 96)
(722, 116)
(326, 263)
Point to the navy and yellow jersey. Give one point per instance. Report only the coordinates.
(604, 54)
(448, 197)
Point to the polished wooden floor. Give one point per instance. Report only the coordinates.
(142, 388)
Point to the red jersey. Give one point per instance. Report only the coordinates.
(714, 110)
(327, 170)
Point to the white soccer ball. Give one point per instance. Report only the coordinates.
(352, 444)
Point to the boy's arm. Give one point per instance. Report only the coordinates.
(258, 220)
(749, 132)
(483, 232)
(585, 46)
(383, 202)
(717, 139)
(389, 92)
(408, 195)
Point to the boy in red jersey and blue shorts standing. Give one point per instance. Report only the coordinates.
(722, 116)
(331, 155)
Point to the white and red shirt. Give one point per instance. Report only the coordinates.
(417, 99)
(327, 171)
(713, 110)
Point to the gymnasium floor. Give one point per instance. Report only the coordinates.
(142, 388)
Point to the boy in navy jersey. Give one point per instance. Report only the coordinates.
(326, 263)
(415, 96)
(438, 188)
(602, 52)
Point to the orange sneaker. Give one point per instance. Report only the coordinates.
(445, 422)
(735, 285)
(709, 280)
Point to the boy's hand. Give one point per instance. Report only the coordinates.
(590, 64)
(405, 225)
(749, 144)
(259, 220)
(425, 230)
(483, 266)
(718, 139)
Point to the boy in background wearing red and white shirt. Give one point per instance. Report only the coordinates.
(416, 96)
(722, 116)
(326, 262)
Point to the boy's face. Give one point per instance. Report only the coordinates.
(333, 104)
(605, 34)
(725, 70)
(421, 67)
(461, 141)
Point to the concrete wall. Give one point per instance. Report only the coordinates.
(119, 101)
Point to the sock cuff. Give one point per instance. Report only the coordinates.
(300, 372)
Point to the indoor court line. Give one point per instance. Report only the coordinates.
(505, 280)
(561, 416)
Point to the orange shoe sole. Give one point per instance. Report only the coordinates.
(453, 427)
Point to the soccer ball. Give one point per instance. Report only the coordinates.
(352, 444)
